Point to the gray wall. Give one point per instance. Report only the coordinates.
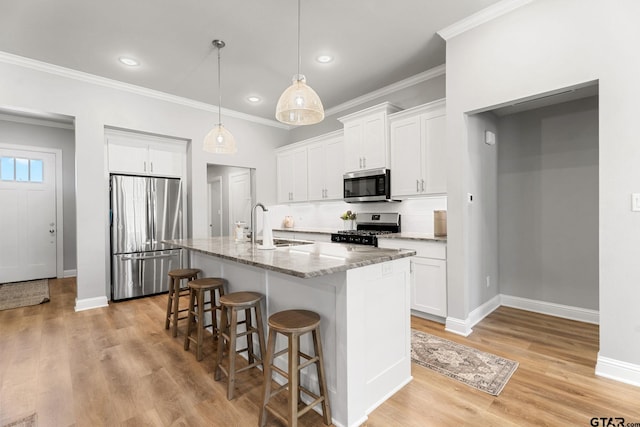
(52, 137)
(548, 204)
(483, 211)
(421, 93)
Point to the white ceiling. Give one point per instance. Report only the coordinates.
(375, 43)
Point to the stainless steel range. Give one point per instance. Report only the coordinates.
(368, 227)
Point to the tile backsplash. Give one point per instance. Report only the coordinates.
(416, 214)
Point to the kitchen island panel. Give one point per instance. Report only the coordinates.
(364, 326)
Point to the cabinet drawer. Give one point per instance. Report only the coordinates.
(423, 248)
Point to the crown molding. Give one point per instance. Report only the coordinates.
(485, 15)
(33, 64)
(35, 121)
(394, 87)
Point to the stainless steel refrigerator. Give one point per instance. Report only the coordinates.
(144, 212)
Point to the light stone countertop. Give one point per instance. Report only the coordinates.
(413, 236)
(306, 230)
(310, 260)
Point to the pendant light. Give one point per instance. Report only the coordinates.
(299, 104)
(219, 140)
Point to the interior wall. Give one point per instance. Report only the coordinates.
(418, 94)
(548, 204)
(509, 59)
(41, 135)
(483, 211)
(98, 103)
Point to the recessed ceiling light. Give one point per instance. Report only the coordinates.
(129, 61)
(324, 59)
(254, 99)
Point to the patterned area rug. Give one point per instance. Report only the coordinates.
(21, 294)
(483, 371)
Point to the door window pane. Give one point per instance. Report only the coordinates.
(6, 168)
(22, 169)
(35, 170)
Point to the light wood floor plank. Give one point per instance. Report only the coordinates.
(118, 366)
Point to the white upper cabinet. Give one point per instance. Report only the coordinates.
(144, 156)
(366, 138)
(292, 175)
(418, 150)
(325, 167)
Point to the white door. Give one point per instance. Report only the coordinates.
(27, 215)
(239, 199)
(215, 207)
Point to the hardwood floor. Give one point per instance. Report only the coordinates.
(118, 366)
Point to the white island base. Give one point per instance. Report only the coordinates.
(365, 326)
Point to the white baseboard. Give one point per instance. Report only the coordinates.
(552, 309)
(483, 311)
(458, 326)
(91, 303)
(69, 273)
(618, 370)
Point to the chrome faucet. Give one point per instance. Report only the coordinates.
(253, 221)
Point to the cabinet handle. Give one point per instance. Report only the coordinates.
(360, 162)
(151, 163)
(364, 162)
(422, 184)
(144, 166)
(417, 185)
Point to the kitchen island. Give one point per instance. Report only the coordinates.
(361, 294)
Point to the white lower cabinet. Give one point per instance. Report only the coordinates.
(428, 273)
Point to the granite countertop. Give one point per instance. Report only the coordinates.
(413, 236)
(306, 230)
(309, 260)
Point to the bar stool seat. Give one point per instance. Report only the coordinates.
(231, 304)
(176, 290)
(198, 307)
(293, 324)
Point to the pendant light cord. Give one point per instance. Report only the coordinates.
(299, 59)
(219, 92)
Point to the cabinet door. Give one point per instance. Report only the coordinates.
(435, 143)
(284, 172)
(165, 160)
(406, 157)
(429, 286)
(374, 146)
(299, 182)
(127, 156)
(353, 132)
(316, 168)
(334, 168)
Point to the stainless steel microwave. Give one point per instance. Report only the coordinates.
(372, 185)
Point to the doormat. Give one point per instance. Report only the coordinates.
(30, 421)
(483, 371)
(22, 294)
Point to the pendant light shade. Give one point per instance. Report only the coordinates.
(299, 104)
(219, 140)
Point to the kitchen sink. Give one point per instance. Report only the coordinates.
(279, 243)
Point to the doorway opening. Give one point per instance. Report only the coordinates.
(230, 198)
(38, 152)
(536, 213)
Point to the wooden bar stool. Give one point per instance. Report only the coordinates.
(231, 304)
(293, 324)
(195, 319)
(175, 292)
